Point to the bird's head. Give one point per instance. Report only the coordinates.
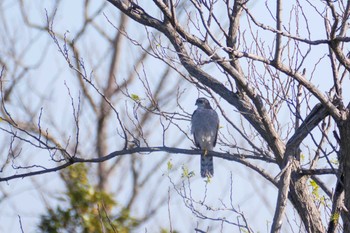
(203, 103)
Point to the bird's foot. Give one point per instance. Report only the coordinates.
(205, 152)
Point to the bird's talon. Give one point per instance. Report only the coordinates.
(205, 152)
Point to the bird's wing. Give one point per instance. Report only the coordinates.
(216, 133)
(195, 140)
(216, 123)
(192, 119)
(193, 128)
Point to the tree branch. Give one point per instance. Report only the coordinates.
(241, 158)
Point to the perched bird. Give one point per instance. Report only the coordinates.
(205, 125)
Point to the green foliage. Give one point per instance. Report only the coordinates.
(169, 165)
(186, 173)
(315, 188)
(207, 179)
(89, 210)
(135, 97)
(335, 217)
(243, 230)
(334, 161)
(315, 192)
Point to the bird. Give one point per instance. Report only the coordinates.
(204, 127)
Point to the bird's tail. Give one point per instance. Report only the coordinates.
(207, 166)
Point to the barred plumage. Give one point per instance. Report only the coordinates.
(205, 125)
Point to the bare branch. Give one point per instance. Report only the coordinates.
(227, 156)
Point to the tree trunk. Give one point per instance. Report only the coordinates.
(344, 130)
(304, 204)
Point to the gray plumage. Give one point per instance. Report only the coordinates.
(205, 125)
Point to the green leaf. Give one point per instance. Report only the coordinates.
(243, 230)
(186, 173)
(170, 165)
(335, 216)
(86, 208)
(334, 161)
(135, 97)
(315, 188)
(208, 179)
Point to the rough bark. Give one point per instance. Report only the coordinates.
(302, 201)
(344, 131)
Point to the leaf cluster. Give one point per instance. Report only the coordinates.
(88, 210)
